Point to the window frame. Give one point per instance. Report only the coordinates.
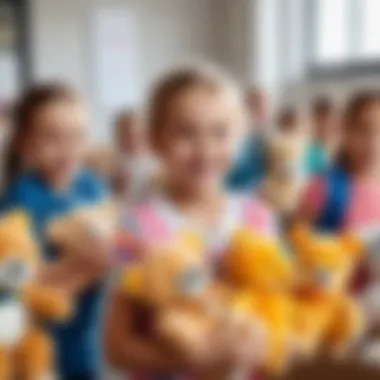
(340, 70)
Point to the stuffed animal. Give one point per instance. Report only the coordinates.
(26, 350)
(262, 267)
(326, 315)
(285, 179)
(73, 230)
(175, 280)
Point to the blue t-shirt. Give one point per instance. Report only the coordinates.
(317, 159)
(76, 341)
(250, 167)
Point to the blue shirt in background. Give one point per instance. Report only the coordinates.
(317, 159)
(77, 345)
(250, 167)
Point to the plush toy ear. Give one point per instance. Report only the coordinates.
(17, 220)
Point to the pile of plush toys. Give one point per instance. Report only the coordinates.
(27, 304)
(295, 289)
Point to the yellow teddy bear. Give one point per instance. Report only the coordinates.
(175, 280)
(326, 315)
(26, 351)
(261, 267)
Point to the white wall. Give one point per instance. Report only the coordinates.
(169, 31)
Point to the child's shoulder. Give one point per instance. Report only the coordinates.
(20, 192)
(90, 185)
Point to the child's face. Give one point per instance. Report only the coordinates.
(131, 135)
(363, 138)
(198, 140)
(57, 142)
(327, 128)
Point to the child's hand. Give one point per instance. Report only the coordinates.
(95, 253)
(237, 346)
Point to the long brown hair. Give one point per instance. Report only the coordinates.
(24, 113)
(354, 108)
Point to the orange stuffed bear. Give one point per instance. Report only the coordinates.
(26, 351)
(326, 316)
(261, 267)
(174, 278)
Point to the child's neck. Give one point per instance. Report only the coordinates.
(195, 201)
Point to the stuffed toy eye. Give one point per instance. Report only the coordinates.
(193, 281)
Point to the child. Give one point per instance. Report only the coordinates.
(135, 167)
(195, 122)
(289, 121)
(348, 195)
(285, 159)
(326, 129)
(250, 166)
(47, 180)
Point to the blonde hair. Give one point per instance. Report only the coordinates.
(183, 79)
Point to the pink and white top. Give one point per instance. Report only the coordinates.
(158, 219)
(363, 208)
(363, 212)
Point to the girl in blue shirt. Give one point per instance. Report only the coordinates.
(46, 179)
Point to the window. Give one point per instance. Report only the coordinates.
(332, 26)
(317, 37)
(346, 31)
(369, 29)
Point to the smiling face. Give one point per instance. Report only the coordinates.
(18, 252)
(198, 140)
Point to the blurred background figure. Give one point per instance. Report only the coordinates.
(285, 158)
(135, 171)
(290, 122)
(326, 135)
(250, 164)
(4, 139)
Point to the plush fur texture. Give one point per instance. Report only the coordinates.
(25, 305)
(261, 267)
(71, 231)
(175, 280)
(326, 315)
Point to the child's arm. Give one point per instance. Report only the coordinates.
(127, 351)
(74, 274)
